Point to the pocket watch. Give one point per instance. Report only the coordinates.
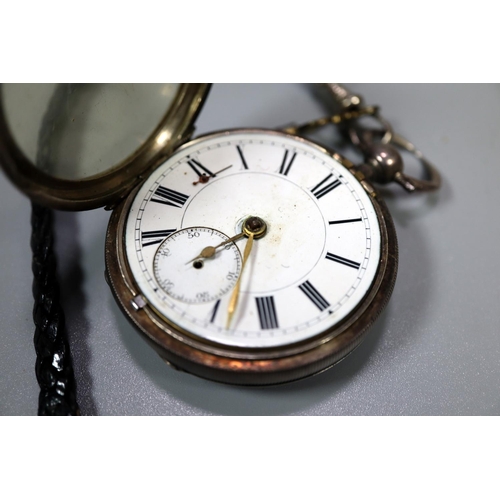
(244, 256)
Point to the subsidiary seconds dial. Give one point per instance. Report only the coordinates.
(202, 278)
(310, 270)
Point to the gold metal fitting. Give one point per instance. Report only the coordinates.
(254, 226)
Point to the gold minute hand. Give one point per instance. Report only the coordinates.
(233, 302)
(253, 227)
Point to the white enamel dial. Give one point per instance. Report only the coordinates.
(311, 269)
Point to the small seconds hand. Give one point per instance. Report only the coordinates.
(209, 251)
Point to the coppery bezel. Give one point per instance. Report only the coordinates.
(252, 366)
(107, 188)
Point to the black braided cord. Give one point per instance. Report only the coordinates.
(54, 369)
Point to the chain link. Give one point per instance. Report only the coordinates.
(382, 161)
(336, 119)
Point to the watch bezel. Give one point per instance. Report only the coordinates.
(256, 366)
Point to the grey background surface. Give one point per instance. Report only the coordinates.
(434, 351)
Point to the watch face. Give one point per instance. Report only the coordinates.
(202, 270)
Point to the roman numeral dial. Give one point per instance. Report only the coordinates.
(310, 271)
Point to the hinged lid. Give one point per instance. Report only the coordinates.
(82, 146)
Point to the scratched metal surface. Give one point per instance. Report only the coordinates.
(434, 351)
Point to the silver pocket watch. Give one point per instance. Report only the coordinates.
(244, 256)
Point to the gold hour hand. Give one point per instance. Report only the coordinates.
(233, 302)
(253, 227)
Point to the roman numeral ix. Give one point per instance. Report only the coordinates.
(155, 236)
(317, 299)
(321, 190)
(169, 197)
(342, 260)
(267, 312)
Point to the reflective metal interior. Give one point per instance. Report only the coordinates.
(75, 131)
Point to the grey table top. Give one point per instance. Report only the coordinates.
(434, 351)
